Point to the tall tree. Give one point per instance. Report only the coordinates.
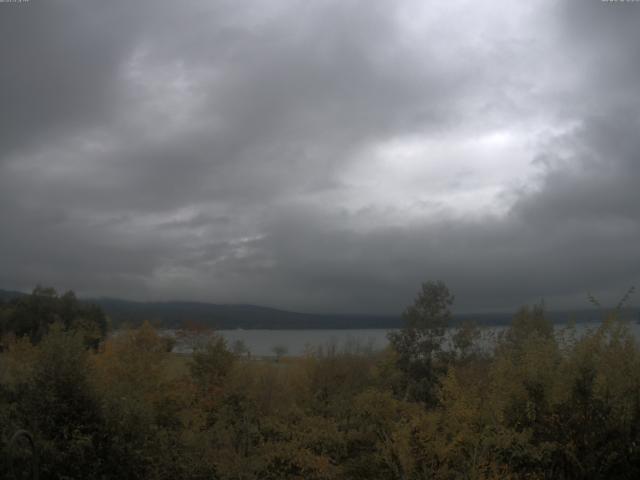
(32, 315)
(419, 343)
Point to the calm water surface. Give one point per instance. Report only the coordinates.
(298, 342)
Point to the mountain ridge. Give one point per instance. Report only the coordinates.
(179, 313)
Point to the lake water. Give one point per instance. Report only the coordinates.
(298, 342)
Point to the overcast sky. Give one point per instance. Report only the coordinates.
(322, 156)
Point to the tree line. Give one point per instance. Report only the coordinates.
(539, 403)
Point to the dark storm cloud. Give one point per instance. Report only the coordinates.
(59, 67)
(266, 152)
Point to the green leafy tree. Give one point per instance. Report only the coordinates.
(240, 348)
(211, 364)
(279, 351)
(465, 340)
(419, 343)
(32, 315)
(60, 407)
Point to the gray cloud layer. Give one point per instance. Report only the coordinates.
(321, 156)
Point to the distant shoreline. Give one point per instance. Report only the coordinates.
(180, 314)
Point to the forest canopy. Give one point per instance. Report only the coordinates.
(540, 403)
(33, 315)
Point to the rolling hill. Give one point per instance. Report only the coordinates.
(175, 314)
